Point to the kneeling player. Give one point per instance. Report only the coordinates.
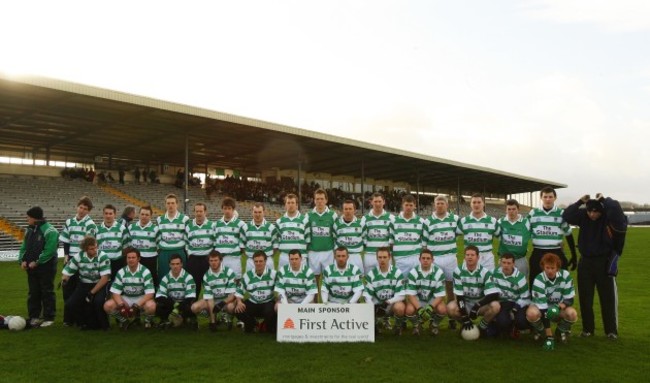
(553, 295)
(425, 293)
(259, 284)
(177, 292)
(296, 282)
(218, 292)
(514, 297)
(385, 289)
(475, 293)
(132, 291)
(341, 280)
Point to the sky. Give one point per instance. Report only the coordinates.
(551, 89)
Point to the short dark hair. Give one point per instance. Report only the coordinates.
(342, 248)
(229, 202)
(507, 256)
(478, 195)
(426, 251)
(110, 207)
(146, 207)
(348, 200)
(87, 242)
(175, 256)
(171, 195)
(85, 200)
(546, 190)
(408, 198)
(378, 195)
(511, 202)
(129, 250)
(295, 251)
(215, 254)
(259, 253)
(473, 248)
(384, 249)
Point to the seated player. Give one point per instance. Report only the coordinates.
(87, 300)
(475, 293)
(258, 284)
(385, 289)
(553, 295)
(296, 282)
(341, 280)
(177, 293)
(132, 292)
(514, 297)
(425, 294)
(218, 292)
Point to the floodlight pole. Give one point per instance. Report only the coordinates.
(363, 182)
(187, 174)
(299, 183)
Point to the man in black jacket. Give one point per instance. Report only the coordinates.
(601, 240)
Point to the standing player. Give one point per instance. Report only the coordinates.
(296, 282)
(341, 280)
(293, 230)
(425, 293)
(177, 291)
(144, 236)
(514, 296)
(199, 233)
(515, 235)
(258, 284)
(478, 229)
(475, 293)
(321, 234)
(407, 236)
(385, 290)
(376, 231)
(348, 233)
(172, 235)
(229, 235)
(259, 235)
(553, 295)
(112, 237)
(219, 289)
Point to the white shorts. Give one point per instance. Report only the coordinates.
(318, 260)
(447, 264)
(251, 266)
(129, 301)
(406, 263)
(234, 262)
(355, 259)
(369, 262)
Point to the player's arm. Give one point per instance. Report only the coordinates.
(51, 246)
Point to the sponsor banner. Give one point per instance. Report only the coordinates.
(317, 323)
(12, 255)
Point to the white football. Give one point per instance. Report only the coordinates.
(17, 323)
(471, 334)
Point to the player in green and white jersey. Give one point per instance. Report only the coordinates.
(177, 292)
(376, 231)
(478, 229)
(425, 293)
(341, 280)
(172, 234)
(87, 300)
(321, 234)
(515, 235)
(514, 297)
(348, 233)
(132, 291)
(219, 289)
(144, 236)
(552, 294)
(112, 237)
(293, 232)
(407, 236)
(295, 282)
(260, 235)
(385, 290)
(258, 285)
(229, 236)
(199, 234)
(476, 294)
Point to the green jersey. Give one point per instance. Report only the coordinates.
(200, 238)
(514, 236)
(258, 287)
(381, 287)
(261, 237)
(133, 283)
(172, 231)
(512, 288)
(376, 231)
(75, 230)
(426, 285)
(548, 228)
(218, 285)
(177, 288)
(112, 239)
(440, 235)
(552, 292)
(293, 233)
(295, 286)
(473, 284)
(341, 285)
(479, 231)
(229, 236)
(90, 269)
(349, 234)
(145, 238)
(46, 233)
(407, 235)
(321, 233)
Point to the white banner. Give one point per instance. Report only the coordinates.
(326, 323)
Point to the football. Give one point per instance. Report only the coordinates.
(16, 323)
(471, 334)
(553, 312)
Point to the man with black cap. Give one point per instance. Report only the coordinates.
(38, 256)
(602, 236)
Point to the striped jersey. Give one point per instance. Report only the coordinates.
(349, 234)
(473, 284)
(548, 228)
(440, 235)
(296, 285)
(133, 283)
(218, 285)
(552, 292)
(75, 230)
(321, 225)
(426, 285)
(479, 231)
(177, 288)
(90, 269)
(384, 286)
(407, 235)
(172, 231)
(111, 240)
(341, 284)
(514, 236)
(145, 238)
(376, 231)
(512, 288)
(293, 233)
(261, 237)
(258, 287)
(229, 236)
(200, 238)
